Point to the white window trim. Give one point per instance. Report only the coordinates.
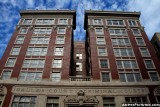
(127, 60)
(142, 40)
(124, 48)
(105, 50)
(100, 37)
(115, 25)
(57, 38)
(44, 19)
(150, 76)
(107, 63)
(118, 34)
(137, 34)
(40, 37)
(4, 71)
(17, 39)
(63, 23)
(147, 51)
(123, 40)
(58, 47)
(21, 29)
(130, 73)
(132, 20)
(110, 77)
(61, 63)
(56, 72)
(102, 30)
(26, 19)
(152, 63)
(37, 47)
(97, 19)
(33, 59)
(15, 47)
(42, 28)
(61, 33)
(11, 58)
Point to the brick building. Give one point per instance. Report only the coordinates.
(43, 66)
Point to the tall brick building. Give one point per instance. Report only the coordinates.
(43, 66)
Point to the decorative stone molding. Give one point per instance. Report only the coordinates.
(91, 27)
(17, 27)
(106, 28)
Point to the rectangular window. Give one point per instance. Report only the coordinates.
(140, 41)
(138, 100)
(27, 22)
(57, 63)
(101, 40)
(63, 21)
(61, 30)
(102, 51)
(78, 66)
(105, 76)
(10, 62)
(52, 102)
(60, 40)
(115, 22)
(127, 64)
(45, 21)
(130, 77)
(153, 76)
(123, 52)
(1, 99)
(97, 21)
(39, 40)
(15, 51)
(136, 32)
(42, 31)
(31, 51)
(158, 99)
(78, 56)
(120, 41)
(33, 63)
(149, 64)
(23, 31)
(99, 31)
(56, 76)
(30, 76)
(109, 102)
(104, 63)
(6, 75)
(24, 101)
(132, 23)
(118, 32)
(144, 52)
(58, 51)
(19, 40)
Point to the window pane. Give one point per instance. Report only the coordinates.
(105, 77)
(154, 76)
(103, 63)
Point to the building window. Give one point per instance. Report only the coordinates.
(60, 40)
(6, 75)
(33, 63)
(63, 21)
(109, 102)
(157, 95)
(137, 100)
(144, 52)
(56, 76)
(78, 66)
(99, 31)
(118, 32)
(130, 77)
(127, 64)
(58, 51)
(15, 51)
(42, 31)
(153, 76)
(120, 41)
(97, 21)
(104, 63)
(39, 40)
(19, 40)
(10, 62)
(78, 56)
(105, 76)
(30, 76)
(140, 41)
(1, 99)
(132, 23)
(24, 101)
(115, 22)
(61, 30)
(149, 64)
(101, 40)
(102, 51)
(57, 63)
(31, 51)
(44, 21)
(27, 22)
(136, 32)
(23, 31)
(123, 52)
(52, 102)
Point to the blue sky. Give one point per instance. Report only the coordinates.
(9, 16)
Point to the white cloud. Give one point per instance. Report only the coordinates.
(30, 3)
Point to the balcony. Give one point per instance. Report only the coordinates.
(74, 78)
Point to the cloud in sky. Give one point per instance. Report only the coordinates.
(9, 16)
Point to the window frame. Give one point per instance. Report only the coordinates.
(109, 73)
(126, 52)
(57, 39)
(30, 63)
(11, 58)
(115, 20)
(123, 39)
(105, 51)
(4, 70)
(40, 29)
(145, 52)
(138, 32)
(63, 19)
(20, 32)
(108, 65)
(152, 63)
(104, 41)
(11, 52)
(33, 51)
(101, 21)
(132, 23)
(19, 40)
(123, 66)
(142, 40)
(65, 29)
(121, 34)
(27, 23)
(59, 78)
(45, 19)
(101, 33)
(37, 40)
(57, 59)
(56, 52)
(133, 74)
(156, 75)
